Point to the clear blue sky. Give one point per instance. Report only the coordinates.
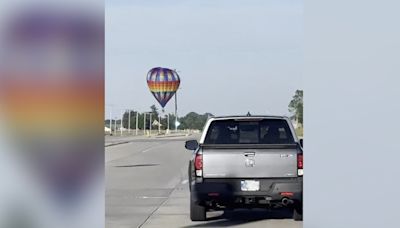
(232, 56)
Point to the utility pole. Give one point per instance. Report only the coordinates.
(137, 122)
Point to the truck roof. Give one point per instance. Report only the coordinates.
(249, 117)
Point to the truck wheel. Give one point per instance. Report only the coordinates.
(197, 212)
(298, 212)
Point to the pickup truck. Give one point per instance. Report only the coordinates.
(246, 162)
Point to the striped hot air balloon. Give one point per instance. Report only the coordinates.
(163, 83)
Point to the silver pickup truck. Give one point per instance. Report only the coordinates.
(246, 162)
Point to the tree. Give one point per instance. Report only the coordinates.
(154, 110)
(193, 120)
(296, 106)
(164, 121)
(133, 119)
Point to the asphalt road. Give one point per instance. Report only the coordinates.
(146, 186)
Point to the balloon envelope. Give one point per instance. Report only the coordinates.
(163, 83)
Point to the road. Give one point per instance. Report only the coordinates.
(146, 186)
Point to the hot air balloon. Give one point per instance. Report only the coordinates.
(163, 83)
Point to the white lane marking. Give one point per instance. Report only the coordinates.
(152, 197)
(150, 148)
(154, 147)
(185, 181)
(146, 150)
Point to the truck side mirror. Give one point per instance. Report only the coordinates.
(301, 142)
(191, 144)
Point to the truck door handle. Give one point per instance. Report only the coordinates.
(249, 154)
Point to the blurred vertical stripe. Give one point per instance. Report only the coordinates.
(51, 114)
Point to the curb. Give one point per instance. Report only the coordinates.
(159, 137)
(118, 143)
(171, 136)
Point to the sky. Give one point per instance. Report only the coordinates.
(233, 57)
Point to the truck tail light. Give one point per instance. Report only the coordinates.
(300, 164)
(300, 161)
(198, 165)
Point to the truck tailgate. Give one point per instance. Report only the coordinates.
(249, 163)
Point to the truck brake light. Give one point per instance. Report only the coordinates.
(299, 161)
(299, 164)
(198, 162)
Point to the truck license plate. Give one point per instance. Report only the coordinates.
(250, 185)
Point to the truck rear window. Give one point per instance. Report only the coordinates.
(271, 131)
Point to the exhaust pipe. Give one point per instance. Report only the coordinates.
(286, 201)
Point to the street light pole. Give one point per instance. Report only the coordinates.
(122, 120)
(150, 122)
(176, 112)
(144, 123)
(129, 121)
(137, 122)
(111, 121)
(159, 124)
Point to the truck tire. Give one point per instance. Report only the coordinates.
(298, 212)
(197, 212)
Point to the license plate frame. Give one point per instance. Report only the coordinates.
(250, 185)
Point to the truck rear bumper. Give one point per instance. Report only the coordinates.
(227, 192)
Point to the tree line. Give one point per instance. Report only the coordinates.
(191, 120)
